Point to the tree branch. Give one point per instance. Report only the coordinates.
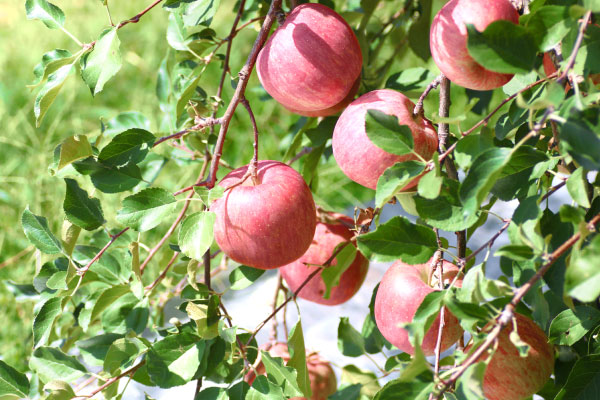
(432, 85)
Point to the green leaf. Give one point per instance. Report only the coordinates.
(37, 231)
(297, 359)
(549, 24)
(209, 195)
(49, 91)
(592, 5)
(95, 348)
(583, 380)
(51, 61)
(44, 320)
(395, 178)
(581, 139)
(110, 179)
(515, 252)
(244, 276)
(52, 364)
(111, 267)
(122, 354)
(502, 47)
(282, 376)
(446, 211)
(470, 385)
(331, 275)
(366, 379)
(515, 178)
(410, 79)
(59, 391)
(103, 62)
(481, 177)
(418, 34)
(146, 209)
(397, 389)
(386, 133)
(576, 186)
(430, 185)
(196, 234)
(48, 13)
(398, 238)
(424, 316)
(80, 209)
(13, 384)
(571, 325)
(73, 149)
(582, 280)
(350, 341)
(263, 389)
(213, 393)
(125, 121)
(174, 360)
(108, 297)
(129, 147)
(200, 12)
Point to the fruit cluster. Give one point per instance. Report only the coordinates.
(312, 65)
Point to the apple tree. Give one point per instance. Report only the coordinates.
(447, 108)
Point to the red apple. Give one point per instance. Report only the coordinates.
(448, 40)
(267, 225)
(312, 61)
(323, 382)
(509, 376)
(334, 109)
(327, 237)
(401, 291)
(358, 157)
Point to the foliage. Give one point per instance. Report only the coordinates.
(112, 228)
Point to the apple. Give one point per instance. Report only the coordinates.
(327, 237)
(312, 61)
(448, 40)
(323, 382)
(401, 291)
(269, 224)
(509, 376)
(360, 159)
(334, 109)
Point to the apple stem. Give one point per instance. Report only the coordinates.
(253, 167)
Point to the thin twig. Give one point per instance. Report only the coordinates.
(273, 335)
(83, 270)
(303, 152)
(244, 75)
(136, 18)
(201, 123)
(432, 85)
(563, 77)
(109, 382)
(163, 274)
(253, 167)
(16, 257)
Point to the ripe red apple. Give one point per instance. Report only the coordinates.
(358, 157)
(509, 376)
(334, 109)
(327, 237)
(323, 382)
(267, 225)
(448, 40)
(312, 61)
(401, 291)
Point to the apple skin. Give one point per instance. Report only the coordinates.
(323, 382)
(334, 109)
(448, 41)
(312, 61)
(509, 376)
(358, 157)
(327, 237)
(267, 225)
(401, 291)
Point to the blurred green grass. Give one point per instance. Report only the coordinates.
(27, 151)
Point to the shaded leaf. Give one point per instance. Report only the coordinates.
(244, 276)
(52, 364)
(298, 358)
(73, 149)
(13, 384)
(350, 341)
(395, 178)
(80, 209)
(196, 234)
(37, 231)
(386, 132)
(582, 280)
(129, 147)
(44, 320)
(174, 360)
